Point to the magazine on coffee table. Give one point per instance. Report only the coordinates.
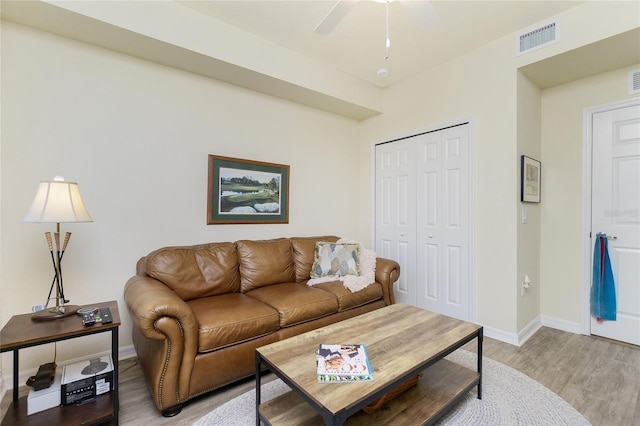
(343, 363)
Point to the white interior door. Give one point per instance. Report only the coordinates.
(616, 212)
(443, 274)
(396, 212)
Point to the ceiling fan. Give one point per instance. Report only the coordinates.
(421, 11)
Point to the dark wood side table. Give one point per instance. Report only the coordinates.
(21, 332)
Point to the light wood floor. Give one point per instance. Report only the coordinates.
(600, 378)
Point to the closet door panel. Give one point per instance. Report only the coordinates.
(396, 212)
(443, 269)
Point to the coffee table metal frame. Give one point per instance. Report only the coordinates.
(341, 416)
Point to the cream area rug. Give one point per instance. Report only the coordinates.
(508, 398)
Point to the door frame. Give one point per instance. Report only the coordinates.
(472, 193)
(587, 259)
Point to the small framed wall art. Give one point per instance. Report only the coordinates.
(247, 191)
(529, 180)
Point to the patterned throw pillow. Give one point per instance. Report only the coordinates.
(335, 260)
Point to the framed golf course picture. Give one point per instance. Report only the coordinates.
(247, 191)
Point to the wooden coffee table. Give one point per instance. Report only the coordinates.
(402, 341)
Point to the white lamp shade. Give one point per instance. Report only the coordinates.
(57, 202)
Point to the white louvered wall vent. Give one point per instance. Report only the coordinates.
(634, 81)
(537, 38)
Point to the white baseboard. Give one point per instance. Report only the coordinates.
(529, 330)
(560, 324)
(126, 352)
(501, 335)
(6, 380)
(516, 339)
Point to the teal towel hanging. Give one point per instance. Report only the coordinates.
(603, 289)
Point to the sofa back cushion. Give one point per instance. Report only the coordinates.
(303, 249)
(196, 271)
(265, 262)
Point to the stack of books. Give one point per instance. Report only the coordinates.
(343, 363)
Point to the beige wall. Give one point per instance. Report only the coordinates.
(480, 86)
(562, 156)
(528, 233)
(135, 136)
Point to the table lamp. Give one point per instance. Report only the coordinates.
(57, 202)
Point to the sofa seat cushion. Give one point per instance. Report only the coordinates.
(296, 303)
(349, 300)
(231, 318)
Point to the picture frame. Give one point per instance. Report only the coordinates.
(530, 174)
(241, 191)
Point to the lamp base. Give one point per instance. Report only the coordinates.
(55, 313)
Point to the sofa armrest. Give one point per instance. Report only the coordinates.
(161, 316)
(387, 273)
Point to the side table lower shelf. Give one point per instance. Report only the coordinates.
(93, 412)
(443, 385)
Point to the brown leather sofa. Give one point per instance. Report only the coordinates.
(199, 312)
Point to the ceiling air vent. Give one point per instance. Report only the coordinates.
(537, 38)
(634, 82)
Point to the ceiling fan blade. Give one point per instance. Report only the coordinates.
(422, 12)
(333, 18)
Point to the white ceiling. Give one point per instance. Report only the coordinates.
(270, 46)
(357, 44)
